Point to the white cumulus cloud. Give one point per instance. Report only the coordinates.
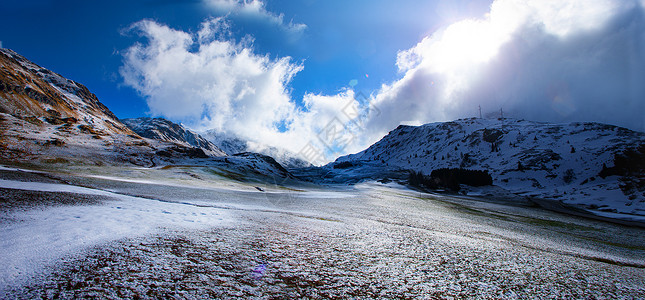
(550, 60)
(545, 60)
(207, 80)
(255, 9)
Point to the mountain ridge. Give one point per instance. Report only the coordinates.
(232, 145)
(534, 159)
(47, 121)
(28, 90)
(48, 118)
(165, 130)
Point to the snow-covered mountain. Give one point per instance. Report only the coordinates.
(228, 143)
(28, 91)
(549, 161)
(164, 130)
(47, 119)
(232, 144)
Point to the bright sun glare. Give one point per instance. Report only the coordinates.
(465, 43)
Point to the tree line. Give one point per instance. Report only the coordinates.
(450, 178)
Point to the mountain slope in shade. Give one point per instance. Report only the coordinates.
(233, 145)
(549, 161)
(162, 129)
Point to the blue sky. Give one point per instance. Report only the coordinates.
(343, 40)
(335, 76)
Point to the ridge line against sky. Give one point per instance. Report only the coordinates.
(281, 74)
(561, 50)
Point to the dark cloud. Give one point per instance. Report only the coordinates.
(552, 61)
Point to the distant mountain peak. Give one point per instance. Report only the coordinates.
(165, 130)
(233, 144)
(48, 119)
(535, 159)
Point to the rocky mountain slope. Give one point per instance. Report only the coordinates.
(28, 91)
(46, 119)
(550, 161)
(44, 116)
(162, 129)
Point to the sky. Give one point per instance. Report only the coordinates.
(327, 78)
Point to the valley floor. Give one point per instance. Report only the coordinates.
(73, 236)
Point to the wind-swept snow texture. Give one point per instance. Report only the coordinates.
(367, 241)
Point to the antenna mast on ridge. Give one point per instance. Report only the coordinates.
(501, 112)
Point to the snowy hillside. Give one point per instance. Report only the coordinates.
(229, 144)
(48, 119)
(29, 91)
(164, 130)
(550, 161)
(45, 117)
(233, 145)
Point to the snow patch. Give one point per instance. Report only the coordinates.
(42, 236)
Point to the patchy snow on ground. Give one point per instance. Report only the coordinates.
(384, 241)
(369, 240)
(43, 235)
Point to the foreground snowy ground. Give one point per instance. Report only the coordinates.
(68, 236)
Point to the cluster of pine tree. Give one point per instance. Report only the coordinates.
(450, 178)
(630, 162)
(630, 165)
(343, 165)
